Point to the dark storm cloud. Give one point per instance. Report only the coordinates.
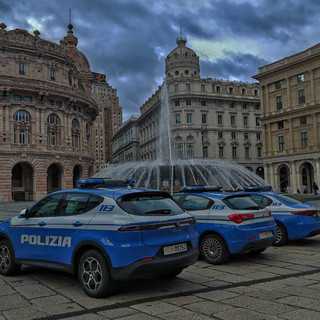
(129, 39)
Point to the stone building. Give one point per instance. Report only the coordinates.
(209, 118)
(46, 114)
(107, 122)
(290, 95)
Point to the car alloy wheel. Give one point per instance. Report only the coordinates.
(214, 249)
(281, 235)
(91, 274)
(7, 265)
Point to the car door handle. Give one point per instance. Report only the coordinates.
(77, 224)
(41, 224)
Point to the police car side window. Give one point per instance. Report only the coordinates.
(192, 202)
(46, 207)
(263, 200)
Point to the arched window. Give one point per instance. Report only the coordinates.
(22, 127)
(53, 130)
(75, 127)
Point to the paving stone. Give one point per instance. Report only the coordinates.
(62, 308)
(192, 277)
(307, 303)
(217, 295)
(259, 293)
(156, 307)
(208, 307)
(118, 313)
(35, 291)
(12, 302)
(261, 275)
(297, 282)
(185, 315)
(24, 313)
(88, 317)
(6, 290)
(232, 278)
(259, 305)
(302, 292)
(183, 300)
(55, 280)
(139, 316)
(301, 315)
(243, 314)
(51, 300)
(300, 268)
(20, 280)
(217, 284)
(280, 271)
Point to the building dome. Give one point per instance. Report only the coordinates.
(182, 61)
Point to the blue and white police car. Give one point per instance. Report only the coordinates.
(104, 230)
(228, 223)
(294, 219)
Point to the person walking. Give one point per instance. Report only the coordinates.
(315, 188)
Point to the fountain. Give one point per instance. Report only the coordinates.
(171, 174)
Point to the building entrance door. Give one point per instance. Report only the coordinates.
(22, 182)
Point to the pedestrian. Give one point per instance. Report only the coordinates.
(315, 188)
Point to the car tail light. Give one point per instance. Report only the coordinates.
(130, 228)
(305, 213)
(146, 259)
(238, 218)
(270, 213)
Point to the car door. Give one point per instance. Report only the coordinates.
(68, 227)
(29, 232)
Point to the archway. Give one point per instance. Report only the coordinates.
(77, 174)
(307, 176)
(260, 172)
(54, 178)
(284, 178)
(22, 182)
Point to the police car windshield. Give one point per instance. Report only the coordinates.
(287, 199)
(149, 204)
(243, 203)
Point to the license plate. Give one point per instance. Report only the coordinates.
(176, 248)
(265, 234)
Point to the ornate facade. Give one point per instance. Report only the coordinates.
(46, 114)
(290, 95)
(209, 118)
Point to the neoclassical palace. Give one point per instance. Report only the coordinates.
(290, 102)
(46, 114)
(209, 118)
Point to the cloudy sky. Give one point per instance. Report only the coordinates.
(128, 40)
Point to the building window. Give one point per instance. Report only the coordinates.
(52, 74)
(188, 102)
(204, 118)
(255, 92)
(205, 152)
(234, 152)
(218, 89)
(179, 151)
(279, 102)
(21, 68)
(245, 120)
(278, 85)
(303, 120)
(231, 90)
(233, 135)
(247, 152)
(258, 135)
(16, 97)
(189, 117)
(233, 120)
(204, 135)
(27, 99)
(219, 119)
(300, 77)
(281, 142)
(257, 106)
(304, 139)
(22, 115)
(221, 152)
(231, 104)
(176, 88)
(302, 98)
(259, 152)
(203, 103)
(178, 119)
(75, 127)
(177, 103)
(203, 88)
(220, 135)
(244, 106)
(258, 122)
(246, 135)
(189, 150)
(22, 127)
(187, 86)
(243, 91)
(280, 125)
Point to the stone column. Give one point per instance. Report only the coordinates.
(315, 130)
(312, 87)
(317, 171)
(288, 93)
(272, 176)
(294, 185)
(291, 135)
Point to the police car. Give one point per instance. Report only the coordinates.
(295, 219)
(104, 230)
(228, 223)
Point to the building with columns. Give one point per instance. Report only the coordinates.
(46, 114)
(208, 118)
(290, 104)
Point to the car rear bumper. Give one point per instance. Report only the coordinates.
(258, 244)
(157, 266)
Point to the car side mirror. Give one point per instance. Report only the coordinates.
(23, 213)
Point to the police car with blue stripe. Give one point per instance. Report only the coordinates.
(104, 230)
(295, 219)
(228, 223)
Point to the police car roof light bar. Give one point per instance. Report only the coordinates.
(104, 183)
(201, 189)
(257, 188)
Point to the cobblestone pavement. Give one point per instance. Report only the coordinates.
(281, 283)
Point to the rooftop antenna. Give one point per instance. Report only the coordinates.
(70, 26)
(181, 40)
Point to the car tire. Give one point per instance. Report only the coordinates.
(214, 249)
(171, 275)
(94, 276)
(281, 235)
(8, 267)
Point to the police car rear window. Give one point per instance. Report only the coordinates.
(242, 203)
(287, 199)
(149, 204)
